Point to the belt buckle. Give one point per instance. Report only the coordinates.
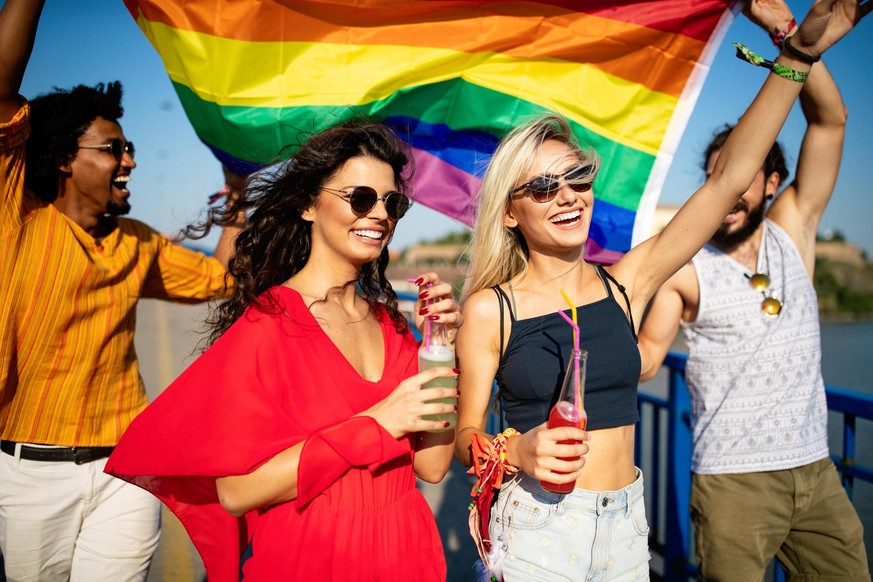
(76, 458)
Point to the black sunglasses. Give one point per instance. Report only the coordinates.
(116, 146)
(363, 199)
(544, 188)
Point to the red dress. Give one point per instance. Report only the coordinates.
(269, 382)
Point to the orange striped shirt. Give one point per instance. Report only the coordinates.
(68, 369)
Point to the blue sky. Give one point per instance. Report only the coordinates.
(93, 41)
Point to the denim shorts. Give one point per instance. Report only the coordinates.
(584, 535)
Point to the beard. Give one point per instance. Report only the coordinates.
(117, 208)
(728, 241)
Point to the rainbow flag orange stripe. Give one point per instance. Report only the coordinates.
(451, 77)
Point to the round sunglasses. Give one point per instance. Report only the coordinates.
(544, 188)
(771, 306)
(363, 199)
(115, 146)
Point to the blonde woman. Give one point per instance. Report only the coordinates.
(535, 209)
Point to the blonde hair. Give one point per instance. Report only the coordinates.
(497, 252)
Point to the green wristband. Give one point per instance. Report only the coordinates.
(788, 73)
(744, 54)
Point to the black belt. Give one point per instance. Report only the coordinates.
(78, 455)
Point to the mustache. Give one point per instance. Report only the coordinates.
(741, 205)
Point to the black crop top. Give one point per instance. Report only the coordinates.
(532, 368)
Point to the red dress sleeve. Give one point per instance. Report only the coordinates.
(328, 453)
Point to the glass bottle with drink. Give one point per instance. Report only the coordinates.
(437, 352)
(569, 410)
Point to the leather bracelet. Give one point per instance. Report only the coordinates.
(799, 54)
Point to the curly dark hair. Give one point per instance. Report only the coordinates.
(775, 161)
(57, 121)
(276, 241)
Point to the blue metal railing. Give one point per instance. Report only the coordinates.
(668, 470)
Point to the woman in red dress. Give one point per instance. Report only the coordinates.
(298, 434)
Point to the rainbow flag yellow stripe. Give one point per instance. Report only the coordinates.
(452, 77)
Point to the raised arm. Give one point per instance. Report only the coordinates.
(653, 262)
(18, 22)
(800, 206)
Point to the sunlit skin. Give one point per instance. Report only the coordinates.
(94, 179)
(608, 464)
(535, 220)
(339, 236)
(797, 210)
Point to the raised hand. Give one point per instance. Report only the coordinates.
(827, 22)
(771, 15)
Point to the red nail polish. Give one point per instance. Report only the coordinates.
(456, 408)
(456, 371)
(423, 311)
(433, 317)
(446, 424)
(423, 294)
(419, 281)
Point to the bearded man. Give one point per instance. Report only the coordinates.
(763, 484)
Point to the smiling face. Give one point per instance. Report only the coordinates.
(561, 224)
(338, 233)
(94, 183)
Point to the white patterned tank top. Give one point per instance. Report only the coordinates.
(757, 394)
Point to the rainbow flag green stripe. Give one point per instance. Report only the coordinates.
(254, 130)
(451, 76)
(560, 85)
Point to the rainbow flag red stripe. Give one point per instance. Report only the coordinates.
(451, 77)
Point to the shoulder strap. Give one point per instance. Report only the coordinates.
(501, 296)
(604, 273)
(502, 299)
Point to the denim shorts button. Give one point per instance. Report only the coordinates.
(604, 502)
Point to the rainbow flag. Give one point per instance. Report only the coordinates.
(452, 77)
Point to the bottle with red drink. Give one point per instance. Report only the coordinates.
(569, 410)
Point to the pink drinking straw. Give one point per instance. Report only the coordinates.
(576, 376)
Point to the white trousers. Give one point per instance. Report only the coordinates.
(61, 521)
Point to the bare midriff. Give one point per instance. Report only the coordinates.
(609, 464)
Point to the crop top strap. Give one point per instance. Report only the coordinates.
(604, 273)
(501, 294)
(502, 299)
